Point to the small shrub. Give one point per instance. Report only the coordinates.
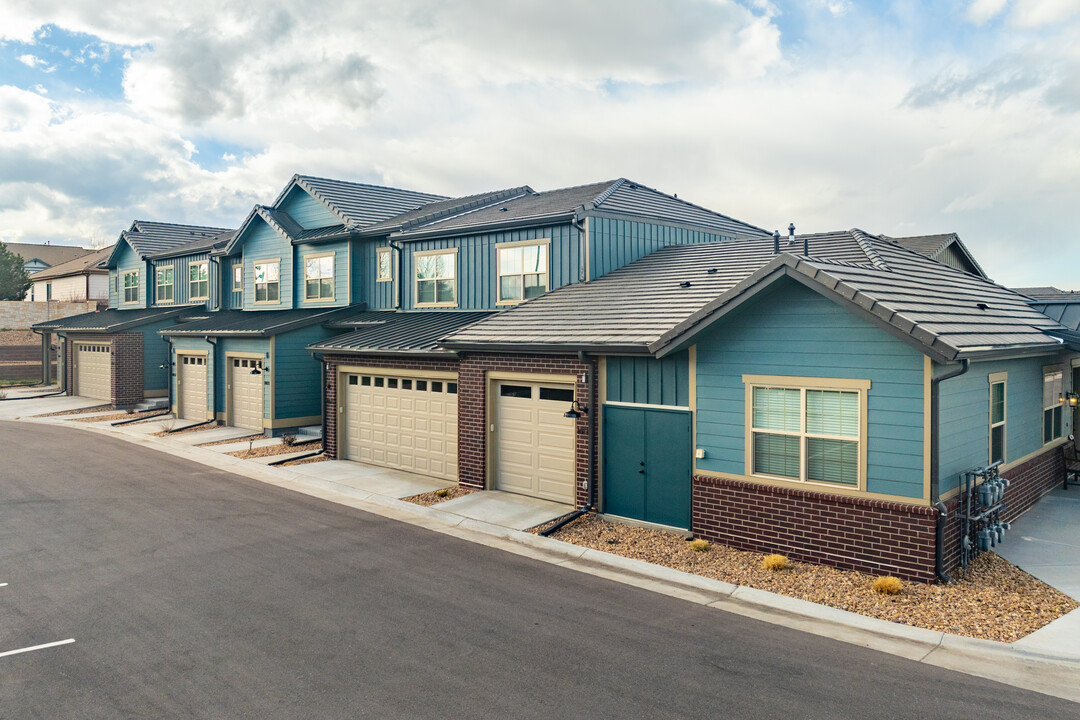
(888, 585)
(775, 563)
(699, 545)
(3, 394)
(168, 425)
(442, 492)
(288, 439)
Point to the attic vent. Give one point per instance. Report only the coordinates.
(982, 306)
(712, 271)
(684, 284)
(632, 186)
(502, 209)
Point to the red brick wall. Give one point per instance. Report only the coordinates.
(884, 538)
(127, 369)
(1028, 482)
(472, 410)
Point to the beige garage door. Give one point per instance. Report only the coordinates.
(93, 370)
(534, 443)
(191, 386)
(246, 393)
(407, 423)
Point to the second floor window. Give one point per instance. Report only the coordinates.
(436, 279)
(238, 278)
(268, 282)
(131, 286)
(319, 278)
(165, 285)
(385, 262)
(523, 272)
(199, 281)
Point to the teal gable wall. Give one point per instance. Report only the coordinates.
(342, 276)
(298, 375)
(792, 331)
(262, 242)
(181, 278)
(965, 415)
(308, 211)
(649, 381)
(126, 260)
(614, 243)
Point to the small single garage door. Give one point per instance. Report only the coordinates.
(93, 370)
(407, 423)
(191, 386)
(246, 393)
(534, 443)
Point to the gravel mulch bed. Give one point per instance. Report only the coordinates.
(234, 440)
(269, 450)
(305, 461)
(193, 428)
(80, 411)
(997, 600)
(433, 498)
(117, 416)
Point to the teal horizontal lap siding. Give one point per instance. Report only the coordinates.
(297, 388)
(648, 380)
(965, 415)
(341, 253)
(308, 211)
(126, 261)
(792, 331)
(477, 268)
(181, 278)
(197, 345)
(366, 288)
(614, 243)
(221, 369)
(263, 243)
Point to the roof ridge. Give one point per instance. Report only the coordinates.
(615, 185)
(678, 199)
(481, 201)
(863, 238)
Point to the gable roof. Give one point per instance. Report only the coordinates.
(83, 265)
(358, 204)
(621, 197)
(666, 298)
(935, 247)
(51, 255)
(147, 238)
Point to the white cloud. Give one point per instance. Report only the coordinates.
(981, 12)
(31, 61)
(1039, 13)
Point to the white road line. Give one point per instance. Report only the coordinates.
(37, 647)
(3, 584)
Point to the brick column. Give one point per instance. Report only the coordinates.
(127, 369)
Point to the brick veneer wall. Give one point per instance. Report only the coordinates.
(127, 369)
(472, 410)
(846, 532)
(1029, 481)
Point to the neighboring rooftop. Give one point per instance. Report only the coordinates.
(1049, 294)
(393, 332)
(83, 265)
(50, 255)
(667, 296)
(945, 248)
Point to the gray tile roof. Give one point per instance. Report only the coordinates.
(1049, 294)
(390, 332)
(109, 320)
(921, 299)
(360, 204)
(147, 238)
(82, 265)
(202, 244)
(619, 197)
(934, 246)
(258, 323)
(443, 209)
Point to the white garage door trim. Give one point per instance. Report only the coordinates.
(246, 392)
(93, 369)
(533, 447)
(191, 386)
(400, 420)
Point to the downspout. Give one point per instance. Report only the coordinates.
(935, 470)
(590, 472)
(399, 290)
(322, 396)
(583, 252)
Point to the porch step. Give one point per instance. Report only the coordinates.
(153, 404)
(309, 433)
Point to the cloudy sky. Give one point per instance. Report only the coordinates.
(900, 118)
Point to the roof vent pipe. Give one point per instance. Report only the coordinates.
(791, 233)
(776, 242)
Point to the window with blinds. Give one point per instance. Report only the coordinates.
(805, 434)
(1052, 405)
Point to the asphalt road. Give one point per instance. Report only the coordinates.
(193, 593)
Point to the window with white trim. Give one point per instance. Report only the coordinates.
(131, 286)
(806, 434)
(165, 285)
(436, 278)
(238, 278)
(319, 278)
(523, 272)
(199, 280)
(997, 420)
(268, 282)
(384, 261)
(1053, 405)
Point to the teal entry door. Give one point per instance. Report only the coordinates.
(647, 465)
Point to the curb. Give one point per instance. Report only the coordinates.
(1049, 673)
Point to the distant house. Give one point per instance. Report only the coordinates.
(946, 248)
(76, 280)
(40, 257)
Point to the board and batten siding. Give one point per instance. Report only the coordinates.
(197, 345)
(965, 415)
(155, 354)
(366, 288)
(265, 243)
(648, 381)
(297, 387)
(126, 260)
(308, 211)
(342, 280)
(476, 262)
(231, 300)
(259, 346)
(790, 330)
(614, 242)
(181, 278)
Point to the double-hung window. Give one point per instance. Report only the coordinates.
(805, 433)
(997, 417)
(131, 286)
(436, 278)
(319, 278)
(523, 271)
(199, 280)
(165, 285)
(384, 260)
(1052, 404)
(268, 282)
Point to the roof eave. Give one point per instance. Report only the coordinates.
(1011, 351)
(546, 348)
(434, 352)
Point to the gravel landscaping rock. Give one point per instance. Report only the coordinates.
(233, 441)
(191, 429)
(432, 498)
(996, 601)
(277, 450)
(115, 416)
(79, 411)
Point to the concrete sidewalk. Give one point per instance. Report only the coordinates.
(1039, 665)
